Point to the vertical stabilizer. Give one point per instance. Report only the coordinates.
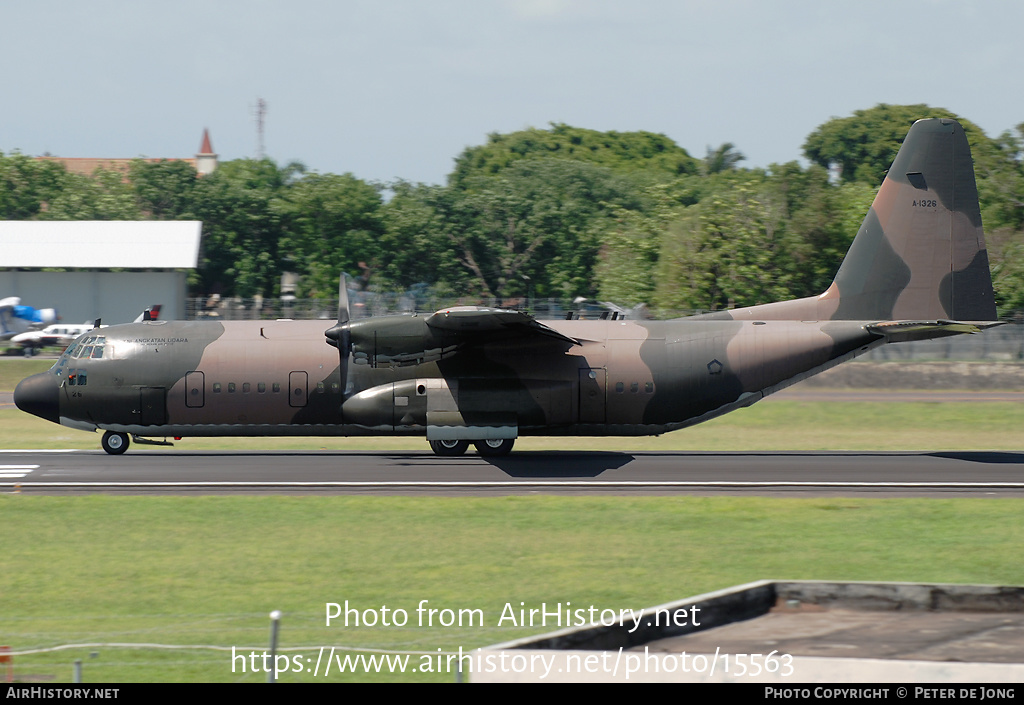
(920, 252)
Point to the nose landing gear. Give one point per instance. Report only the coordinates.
(115, 442)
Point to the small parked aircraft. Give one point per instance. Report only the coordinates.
(16, 319)
(57, 334)
(917, 269)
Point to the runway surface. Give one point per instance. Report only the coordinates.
(907, 474)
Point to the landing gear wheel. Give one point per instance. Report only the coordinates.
(449, 449)
(494, 447)
(115, 443)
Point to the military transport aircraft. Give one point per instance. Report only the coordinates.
(917, 269)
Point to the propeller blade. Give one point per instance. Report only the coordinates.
(344, 310)
(339, 335)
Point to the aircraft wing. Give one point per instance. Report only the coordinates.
(476, 324)
(904, 331)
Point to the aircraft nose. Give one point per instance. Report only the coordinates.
(39, 395)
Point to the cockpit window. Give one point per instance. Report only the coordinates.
(89, 347)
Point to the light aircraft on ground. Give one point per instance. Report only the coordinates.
(57, 334)
(917, 269)
(16, 319)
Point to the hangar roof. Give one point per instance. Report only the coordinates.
(100, 244)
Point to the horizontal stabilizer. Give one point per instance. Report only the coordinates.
(905, 331)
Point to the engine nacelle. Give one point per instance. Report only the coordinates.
(433, 403)
(393, 404)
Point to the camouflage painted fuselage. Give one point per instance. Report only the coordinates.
(255, 378)
(917, 269)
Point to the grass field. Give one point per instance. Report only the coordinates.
(208, 570)
(13, 370)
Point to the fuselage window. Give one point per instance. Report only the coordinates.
(277, 387)
(216, 387)
(261, 387)
(320, 387)
(620, 387)
(231, 387)
(634, 387)
(649, 387)
(245, 387)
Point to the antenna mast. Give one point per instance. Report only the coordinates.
(261, 111)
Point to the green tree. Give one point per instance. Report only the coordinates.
(103, 196)
(632, 242)
(725, 158)
(332, 224)
(1006, 255)
(622, 152)
(164, 190)
(26, 184)
(533, 229)
(820, 220)
(242, 227)
(865, 144)
(414, 246)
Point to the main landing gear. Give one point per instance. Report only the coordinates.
(491, 448)
(114, 442)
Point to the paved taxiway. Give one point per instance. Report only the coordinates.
(949, 473)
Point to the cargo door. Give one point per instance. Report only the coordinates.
(153, 405)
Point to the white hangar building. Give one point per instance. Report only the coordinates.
(114, 269)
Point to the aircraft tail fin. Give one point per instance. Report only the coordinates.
(152, 313)
(920, 252)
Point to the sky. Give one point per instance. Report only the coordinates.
(396, 89)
